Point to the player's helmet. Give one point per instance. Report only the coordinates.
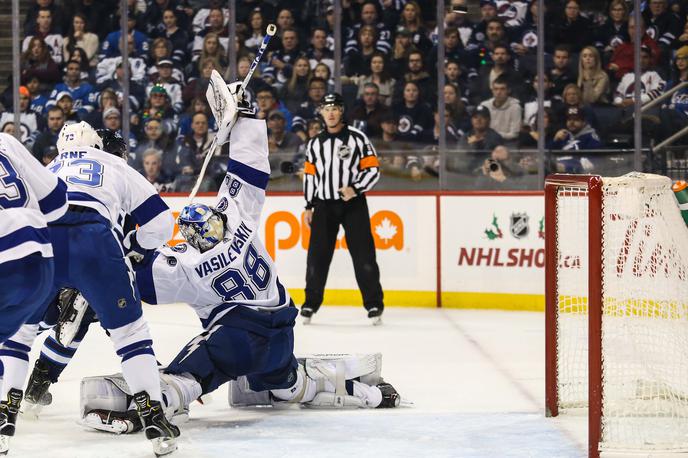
(202, 226)
(76, 135)
(332, 98)
(113, 142)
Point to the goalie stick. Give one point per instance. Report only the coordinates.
(219, 91)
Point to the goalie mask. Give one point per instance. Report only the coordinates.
(202, 226)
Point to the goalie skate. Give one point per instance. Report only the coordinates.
(72, 309)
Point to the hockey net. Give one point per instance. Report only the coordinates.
(617, 310)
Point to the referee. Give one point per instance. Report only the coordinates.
(341, 165)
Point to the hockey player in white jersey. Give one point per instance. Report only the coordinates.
(224, 272)
(90, 256)
(30, 196)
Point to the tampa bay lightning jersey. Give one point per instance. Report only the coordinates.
(238, 271)
(30, 197)
(105, 183)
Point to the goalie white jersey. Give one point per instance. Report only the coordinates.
(105, 183)
(238, 271)
(30, 197)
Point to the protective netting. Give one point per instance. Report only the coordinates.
(644, 313)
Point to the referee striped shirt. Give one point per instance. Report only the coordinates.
(334, 161)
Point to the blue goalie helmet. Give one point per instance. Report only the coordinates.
(202, 226)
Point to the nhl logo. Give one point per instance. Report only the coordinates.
(519, 225)
(121, 302)
(343, 151)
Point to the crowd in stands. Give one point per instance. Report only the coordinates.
(71, 70)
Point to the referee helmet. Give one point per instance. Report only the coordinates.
(332, 98)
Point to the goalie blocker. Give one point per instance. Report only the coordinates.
(322, 381)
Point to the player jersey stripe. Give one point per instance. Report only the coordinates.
(149, 209)
(24, 235)
(55, 200)
(248, 174)
(144, 280)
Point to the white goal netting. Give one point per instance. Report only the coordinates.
(644, 312)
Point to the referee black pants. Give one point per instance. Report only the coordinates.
(354, 216)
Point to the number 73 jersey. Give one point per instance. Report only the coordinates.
(238, 271)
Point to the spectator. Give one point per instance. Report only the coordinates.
(197, 105)
(79, 37)
(663, 25)
(674, 115)
(36, 61)
(381, 78)
(38, 99)
(310, 108)
(506, 114)
(614, 31)
(528, 138)
(78, 55)
(622, 58)
(593, 81)
(682, 40)
(65, 101)
(32, 15)
(561, 75)
(400, 52)
(513, 13)
(456, 18)
(81, 93)
(45, 145)
(285, 19)
(211, 49)
(266, 101)
(481, 138)
(530, 108)
(572, 29)
(138, 43)
(215, 25)
(412, 20)
(455, 105)
(107, 68)
(161, 50)
(369, 16)
(572, 97)
(136, 91)
(454, 75)
(173, 88)
(31, 123)
(578, 134)
(95, 12)
(482, 55)
(198, 142)
(499, 170)
(202, 20)
(500, 67)
(417, 74)
(295, 91)
(159, 107)
(453, 50)
(178, 37)
(154, 172)
(368, 112)
(256, 24)
(488, 11)
(45, 31)
(318, 53)
(415, 116)
(279, 139)
(358, 55)
(279, 70)
(103, 100)
(652, 85)
(197, 87)
(154, 138)
(453, 132)
(112, 119)
(323, 71)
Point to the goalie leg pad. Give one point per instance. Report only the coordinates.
(323, 381)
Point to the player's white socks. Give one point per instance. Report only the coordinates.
(14, 356)
(133, 344)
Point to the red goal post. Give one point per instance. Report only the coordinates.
(616, 301)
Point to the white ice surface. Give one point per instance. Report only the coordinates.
(476, 379)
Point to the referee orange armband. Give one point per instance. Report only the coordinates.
(368, 162)
(308, 168)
